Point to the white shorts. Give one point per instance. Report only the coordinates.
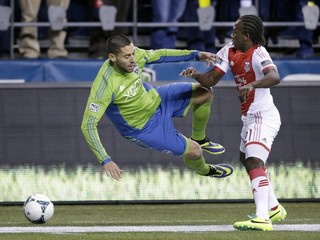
(258, 133)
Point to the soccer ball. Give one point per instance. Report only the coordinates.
(38, 208)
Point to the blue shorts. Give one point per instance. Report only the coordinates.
(159, 132)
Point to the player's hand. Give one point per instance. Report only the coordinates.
(112, 170)
(244, 92)
(190, 72)
(208, 57)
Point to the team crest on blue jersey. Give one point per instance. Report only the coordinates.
(247, 66)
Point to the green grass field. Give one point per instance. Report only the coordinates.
(195, 216)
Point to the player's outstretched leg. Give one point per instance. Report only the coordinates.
(194, 159)
(200, 118)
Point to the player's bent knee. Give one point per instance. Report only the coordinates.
(252, 163)
(194, 150)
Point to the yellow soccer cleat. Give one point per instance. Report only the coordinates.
(221, 170)
(254, 224)
(278, 215)
(211, 147)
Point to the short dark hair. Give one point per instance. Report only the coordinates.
(253, 26)
(116, 42)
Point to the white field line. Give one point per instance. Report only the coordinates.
(193, 228)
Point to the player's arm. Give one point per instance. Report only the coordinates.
(175, 55)
(207, 79)
(270, 79)
(94, 111)
(212, 77)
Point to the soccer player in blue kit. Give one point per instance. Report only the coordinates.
(143, 114)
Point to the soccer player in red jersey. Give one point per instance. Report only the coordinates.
(254, 73)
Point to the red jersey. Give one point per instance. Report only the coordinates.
(246, 68)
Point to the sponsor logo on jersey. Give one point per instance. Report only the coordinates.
(94, 107)
(133, 89)
(240, 81)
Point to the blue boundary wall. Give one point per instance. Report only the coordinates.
(86, 70)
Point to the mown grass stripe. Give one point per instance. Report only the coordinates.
(185, 228)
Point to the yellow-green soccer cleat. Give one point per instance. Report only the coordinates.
(254, 224)
(211, 147)
(278, 215)
(220, 170)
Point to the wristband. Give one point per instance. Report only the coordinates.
(106, 161)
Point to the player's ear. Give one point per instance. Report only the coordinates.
(112, 57)
(246, 35)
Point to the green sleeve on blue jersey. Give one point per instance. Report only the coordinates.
(166, 55)
(97, 104)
